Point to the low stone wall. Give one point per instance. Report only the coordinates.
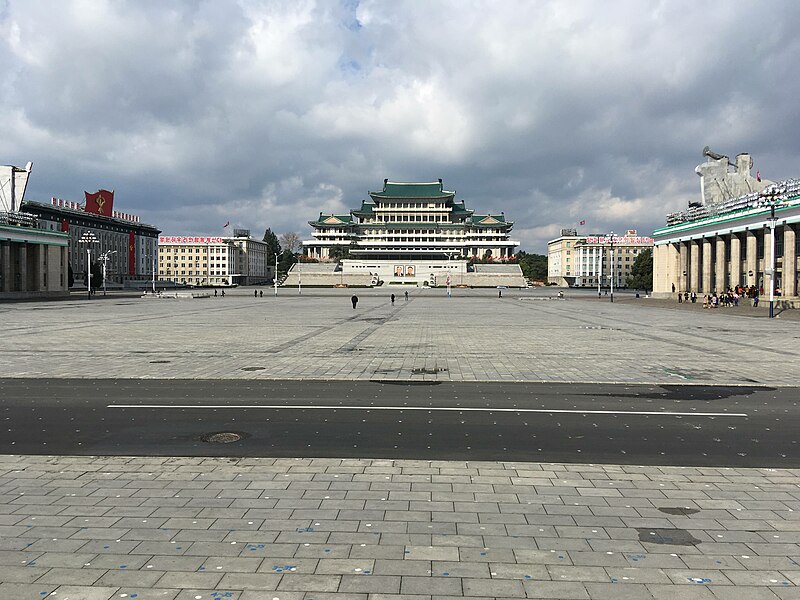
(493, 280)
(328, 279)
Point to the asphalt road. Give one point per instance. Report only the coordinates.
(621, 424)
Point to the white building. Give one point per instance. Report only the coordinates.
(413, 233)
(579, 260)
(214, 261)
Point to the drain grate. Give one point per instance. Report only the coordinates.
(222, 437)
(426, 371)
(673, 537)
(160, 362)
(253, 368)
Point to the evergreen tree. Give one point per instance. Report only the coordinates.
(273, 245)
(641, 277)
(534, 266)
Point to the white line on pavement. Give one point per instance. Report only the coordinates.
(428, 408)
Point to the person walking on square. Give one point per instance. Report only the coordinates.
(406, 293)
(223, 293)
(255, 293)
(680, 298)
(260, 293)
(392, 299)
(215, 292)
(354, 300)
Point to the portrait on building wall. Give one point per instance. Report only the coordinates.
(410, 270)
(398, 270)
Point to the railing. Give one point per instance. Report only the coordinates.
(18, 218)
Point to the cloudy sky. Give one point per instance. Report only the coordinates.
(266, 113)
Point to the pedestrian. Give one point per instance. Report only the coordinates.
(755, 301)
(694, 297)
(255, 293)
(673, 288)
(392, 299)
(499, 293)
(680, 298)
(260, 293)
(215, 292)
(223, 293)
(354, 300)
(406, 293)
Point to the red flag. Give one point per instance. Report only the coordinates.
(131, 254)
(582, 223)
(758, 175)
(100, 203)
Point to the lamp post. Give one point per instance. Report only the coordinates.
(275, 276)
(104, 257)
(299, 289)
(772, 194)
(772, 221)
(88, 238)
(611, 241)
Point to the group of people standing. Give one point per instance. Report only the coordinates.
(730, 297)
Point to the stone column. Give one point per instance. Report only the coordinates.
(683, 267)
(719, 270)
(789, 262)
(5, 266)
(22, 252)
(750, 257)
(736, 260)
(769, 280)
(64, 269)
(707, 267)
(694, 263)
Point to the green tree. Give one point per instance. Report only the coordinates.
(339, 252)
(534, 266)
(273, 245)
(641, 277)
(285, 261)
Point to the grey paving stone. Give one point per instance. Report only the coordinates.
(493, 588)
(440, 586)
(556, 590)
(85, 592)
(617, 591)
(66, 576)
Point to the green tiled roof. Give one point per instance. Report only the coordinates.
(332, 220)
(432, 189)
(489, 220)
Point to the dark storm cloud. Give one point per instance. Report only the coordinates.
(266, 113)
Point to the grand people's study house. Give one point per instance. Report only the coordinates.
(411, 234)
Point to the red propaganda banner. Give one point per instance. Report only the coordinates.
(100, 203)
(64, 225)
(131, 254)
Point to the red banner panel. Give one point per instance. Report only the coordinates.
(100, 203)
(131, 254)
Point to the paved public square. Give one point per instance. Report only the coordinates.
(99, 527)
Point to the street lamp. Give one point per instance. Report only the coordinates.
(299, 289)
(88, 238)
(772, 221)
(275, 275)
(105, 257)
(772, 193)
(611, 241)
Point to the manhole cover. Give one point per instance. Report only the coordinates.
(222, 437)
(673, 537)
(426, 371)
(680, 510)
(253, 368)
(159, 362)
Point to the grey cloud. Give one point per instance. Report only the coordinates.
(268, 112)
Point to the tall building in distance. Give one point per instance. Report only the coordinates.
(581, 260)
(413, 233)
(129, 245)
(214, 261)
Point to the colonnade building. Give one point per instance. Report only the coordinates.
(724, 240)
